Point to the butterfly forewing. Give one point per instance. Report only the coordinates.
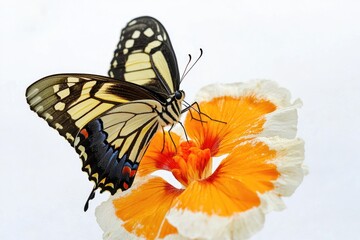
(69, 102)
(145, 56)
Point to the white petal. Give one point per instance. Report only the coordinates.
(289, 162)
(282, 122)
(202, 226)
(263, 89)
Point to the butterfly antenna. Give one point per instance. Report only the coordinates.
(187, 65)
(187, 71)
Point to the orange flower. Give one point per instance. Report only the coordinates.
(261, 161)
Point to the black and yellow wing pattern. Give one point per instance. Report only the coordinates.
(111, 120)
(145, 56)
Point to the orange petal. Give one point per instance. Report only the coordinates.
(288, 162)
(220, 196)
(271, 167)
(216, 208)
(244, 117)
(139, 212)
(159, 153)
(250, 164)
(234, 186)
(228, 204)
(256, 108)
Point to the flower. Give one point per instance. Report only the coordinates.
(252, 132)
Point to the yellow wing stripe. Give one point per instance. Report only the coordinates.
(162, 66)
(113, 131)
(77, 111)
(103, 94)
(137, 61)
(125, 147)
(85, 91)
(139, 75)
(135, 154)
(152, 45)
(117, 143)
(91, 115)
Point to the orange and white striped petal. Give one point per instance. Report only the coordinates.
(257, 108)
(232, 202)
(139, 213)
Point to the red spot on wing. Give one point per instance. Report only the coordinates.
(125, 186)
(133, 172)
(85, 133)
(126, 170)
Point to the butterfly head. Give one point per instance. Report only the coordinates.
(179, 95)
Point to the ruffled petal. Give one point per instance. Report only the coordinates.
(249, 182)
(249, 164)
(217, 195)
(282, 122)
(227, 205)
(246, 108)
(198, 225)
(289, 163)
(139, 213)
(216, 208)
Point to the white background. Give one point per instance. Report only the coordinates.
(310, 47)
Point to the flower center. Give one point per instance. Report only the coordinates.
(191, 163)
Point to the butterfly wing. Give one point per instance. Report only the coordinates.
(109, 122)
(112, 145)
(145, 57)
(69, 102)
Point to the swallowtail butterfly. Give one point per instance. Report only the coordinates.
(110, 121)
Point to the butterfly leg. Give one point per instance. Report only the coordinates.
(191, 106)
(186, 136)
(198, 110)
(172, 140)
(163, 145)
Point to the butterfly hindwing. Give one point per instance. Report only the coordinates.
(145, 57)
(112, 145)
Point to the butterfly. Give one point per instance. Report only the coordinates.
(110, 121)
